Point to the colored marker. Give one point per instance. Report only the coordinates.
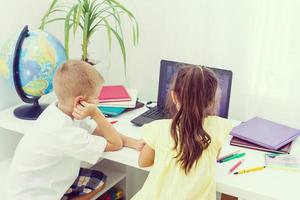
(250, 170)
(113, 122)
(233, 157)
(236, 165)
(228, 155)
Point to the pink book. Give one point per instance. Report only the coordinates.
(114, 93)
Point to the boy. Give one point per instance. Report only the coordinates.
(47, 160)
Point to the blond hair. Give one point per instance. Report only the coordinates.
(76, 78)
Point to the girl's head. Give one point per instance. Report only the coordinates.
(194, 95)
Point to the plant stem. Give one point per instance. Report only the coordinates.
(84, 49)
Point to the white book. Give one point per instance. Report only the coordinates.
(133, 93)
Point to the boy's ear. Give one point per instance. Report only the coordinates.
(77, 100)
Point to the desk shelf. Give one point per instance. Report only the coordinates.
(116, 175)
(259, 186)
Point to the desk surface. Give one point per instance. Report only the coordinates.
(264, 185)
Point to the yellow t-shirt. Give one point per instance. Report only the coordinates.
(167, 181)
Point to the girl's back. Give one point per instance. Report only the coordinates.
(167, 180)
(183, 150)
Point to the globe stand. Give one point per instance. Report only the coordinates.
(30, 112)
(27, 112)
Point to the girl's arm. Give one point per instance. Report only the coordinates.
(146, 157)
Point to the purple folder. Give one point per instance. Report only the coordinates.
(265, 133)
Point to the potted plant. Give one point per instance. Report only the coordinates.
(89, 16)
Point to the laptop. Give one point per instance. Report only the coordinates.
(167, 72)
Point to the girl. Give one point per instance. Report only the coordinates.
(183, 151)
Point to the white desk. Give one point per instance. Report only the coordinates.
(264, 185)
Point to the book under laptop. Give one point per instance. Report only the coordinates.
(167, 72)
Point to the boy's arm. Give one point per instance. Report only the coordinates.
(127, 141)
(146, 158)
(114, 141)
(132, 143)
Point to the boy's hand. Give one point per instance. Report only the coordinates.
(83, 110)
(139, 145)
(133, 143)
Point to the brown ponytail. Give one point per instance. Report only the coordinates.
(195, 88)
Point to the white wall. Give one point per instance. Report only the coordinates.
(257, 40)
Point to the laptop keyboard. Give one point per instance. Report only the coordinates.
(154, 114)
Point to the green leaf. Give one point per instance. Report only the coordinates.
(85, 36)
(108, 29)
(135, 27)
(76, 18)
(67, 29)
(45, 17)
(123, 8)
(55, 19)
(122, 46)
(117, 17)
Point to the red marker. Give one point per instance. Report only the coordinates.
(236, 165)
(113, 122)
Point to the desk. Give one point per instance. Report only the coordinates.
(268, 184)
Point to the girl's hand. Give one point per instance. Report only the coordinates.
(83, 110)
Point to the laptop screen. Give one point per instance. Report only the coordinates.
(167, 72)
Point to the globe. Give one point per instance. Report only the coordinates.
(29, 62)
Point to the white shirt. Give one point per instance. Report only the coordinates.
(47, 160)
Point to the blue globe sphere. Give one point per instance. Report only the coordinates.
(40, 55)
(29, 61)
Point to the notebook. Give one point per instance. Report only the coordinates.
(113, 93)
(242, 143)
(125, 104)
(115, 111)
(265, 133)
(111, 111)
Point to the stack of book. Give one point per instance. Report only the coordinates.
(264, 135)
(116, 99)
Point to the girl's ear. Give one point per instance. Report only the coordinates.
(174, 98)
(77, 100)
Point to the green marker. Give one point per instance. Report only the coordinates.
(233, 157)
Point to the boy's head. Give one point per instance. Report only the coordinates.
(76, 81)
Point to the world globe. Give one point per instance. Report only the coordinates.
(29, 62)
